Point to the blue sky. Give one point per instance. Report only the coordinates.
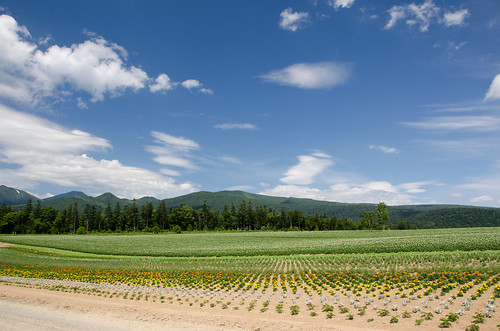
(339, 100)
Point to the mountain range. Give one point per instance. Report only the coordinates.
(423, 216)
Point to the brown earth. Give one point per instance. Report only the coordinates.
(29, 307)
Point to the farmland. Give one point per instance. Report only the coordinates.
(433, 278)
(271, 243)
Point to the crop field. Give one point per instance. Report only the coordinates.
(271, 243)
(433, 278)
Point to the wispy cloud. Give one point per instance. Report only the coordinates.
(341, 3)
(193, 84)
(293, 21)
(309, 166)
(240, 188)
(456, 18)
(41, 151)
(299, 182)
(481, 199)
(385, 149)
(423, 15)
(367, 192)
(454, 123)
(235, 126)
(465, 147)
(415, 187)
(173, 151)
(230, 159)
(317, 75)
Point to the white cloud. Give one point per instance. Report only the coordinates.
(385, 149)
(418, 14)
(415, 187)
(299, 178)
(207, 91)
(173, 151)
(465, 147)
(310, 75)
(19, 130)
(239, 188)
(170, 172)
(162, 83)
(483, 183)
(193, 84)
(481, 199)
(235, 126)
(485, 188)
(494, 90)
(30, 74)
(81, 104)
(231, 159)
(309, 166)
(370, 192)
(424, 15)
(341, 3)
(45, 152)
(292, 21)
(321, 155)
(397, 13)
(453, 123)
(456, 18)
(455, 46)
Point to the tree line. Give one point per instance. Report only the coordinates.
(132, 218)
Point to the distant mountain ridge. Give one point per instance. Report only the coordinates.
(423, 216)
(66, 195)
(11, 196)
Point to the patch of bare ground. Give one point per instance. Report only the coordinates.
(123, 308)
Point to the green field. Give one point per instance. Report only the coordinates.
(427, 268)
(270, 243)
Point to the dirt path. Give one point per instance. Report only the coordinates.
(38, 304)
(25, 308)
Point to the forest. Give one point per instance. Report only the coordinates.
(132, 218)
(158, 217)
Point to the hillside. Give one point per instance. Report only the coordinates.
(67, 195)
(422, 216)
(11, 196)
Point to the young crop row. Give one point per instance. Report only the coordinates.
(408, 262)
(355, 283)
(468, 295)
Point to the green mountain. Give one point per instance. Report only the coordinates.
(66, 195)
(11, 196)
(83, 200)
(218, 200)
(422, 216)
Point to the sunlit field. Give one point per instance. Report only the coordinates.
(271, 243)
(438, 278)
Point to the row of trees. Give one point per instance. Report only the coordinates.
(147, 218)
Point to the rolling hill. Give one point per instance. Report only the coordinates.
(11, 196)
(422, 216)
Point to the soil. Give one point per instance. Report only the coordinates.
(28, 306)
